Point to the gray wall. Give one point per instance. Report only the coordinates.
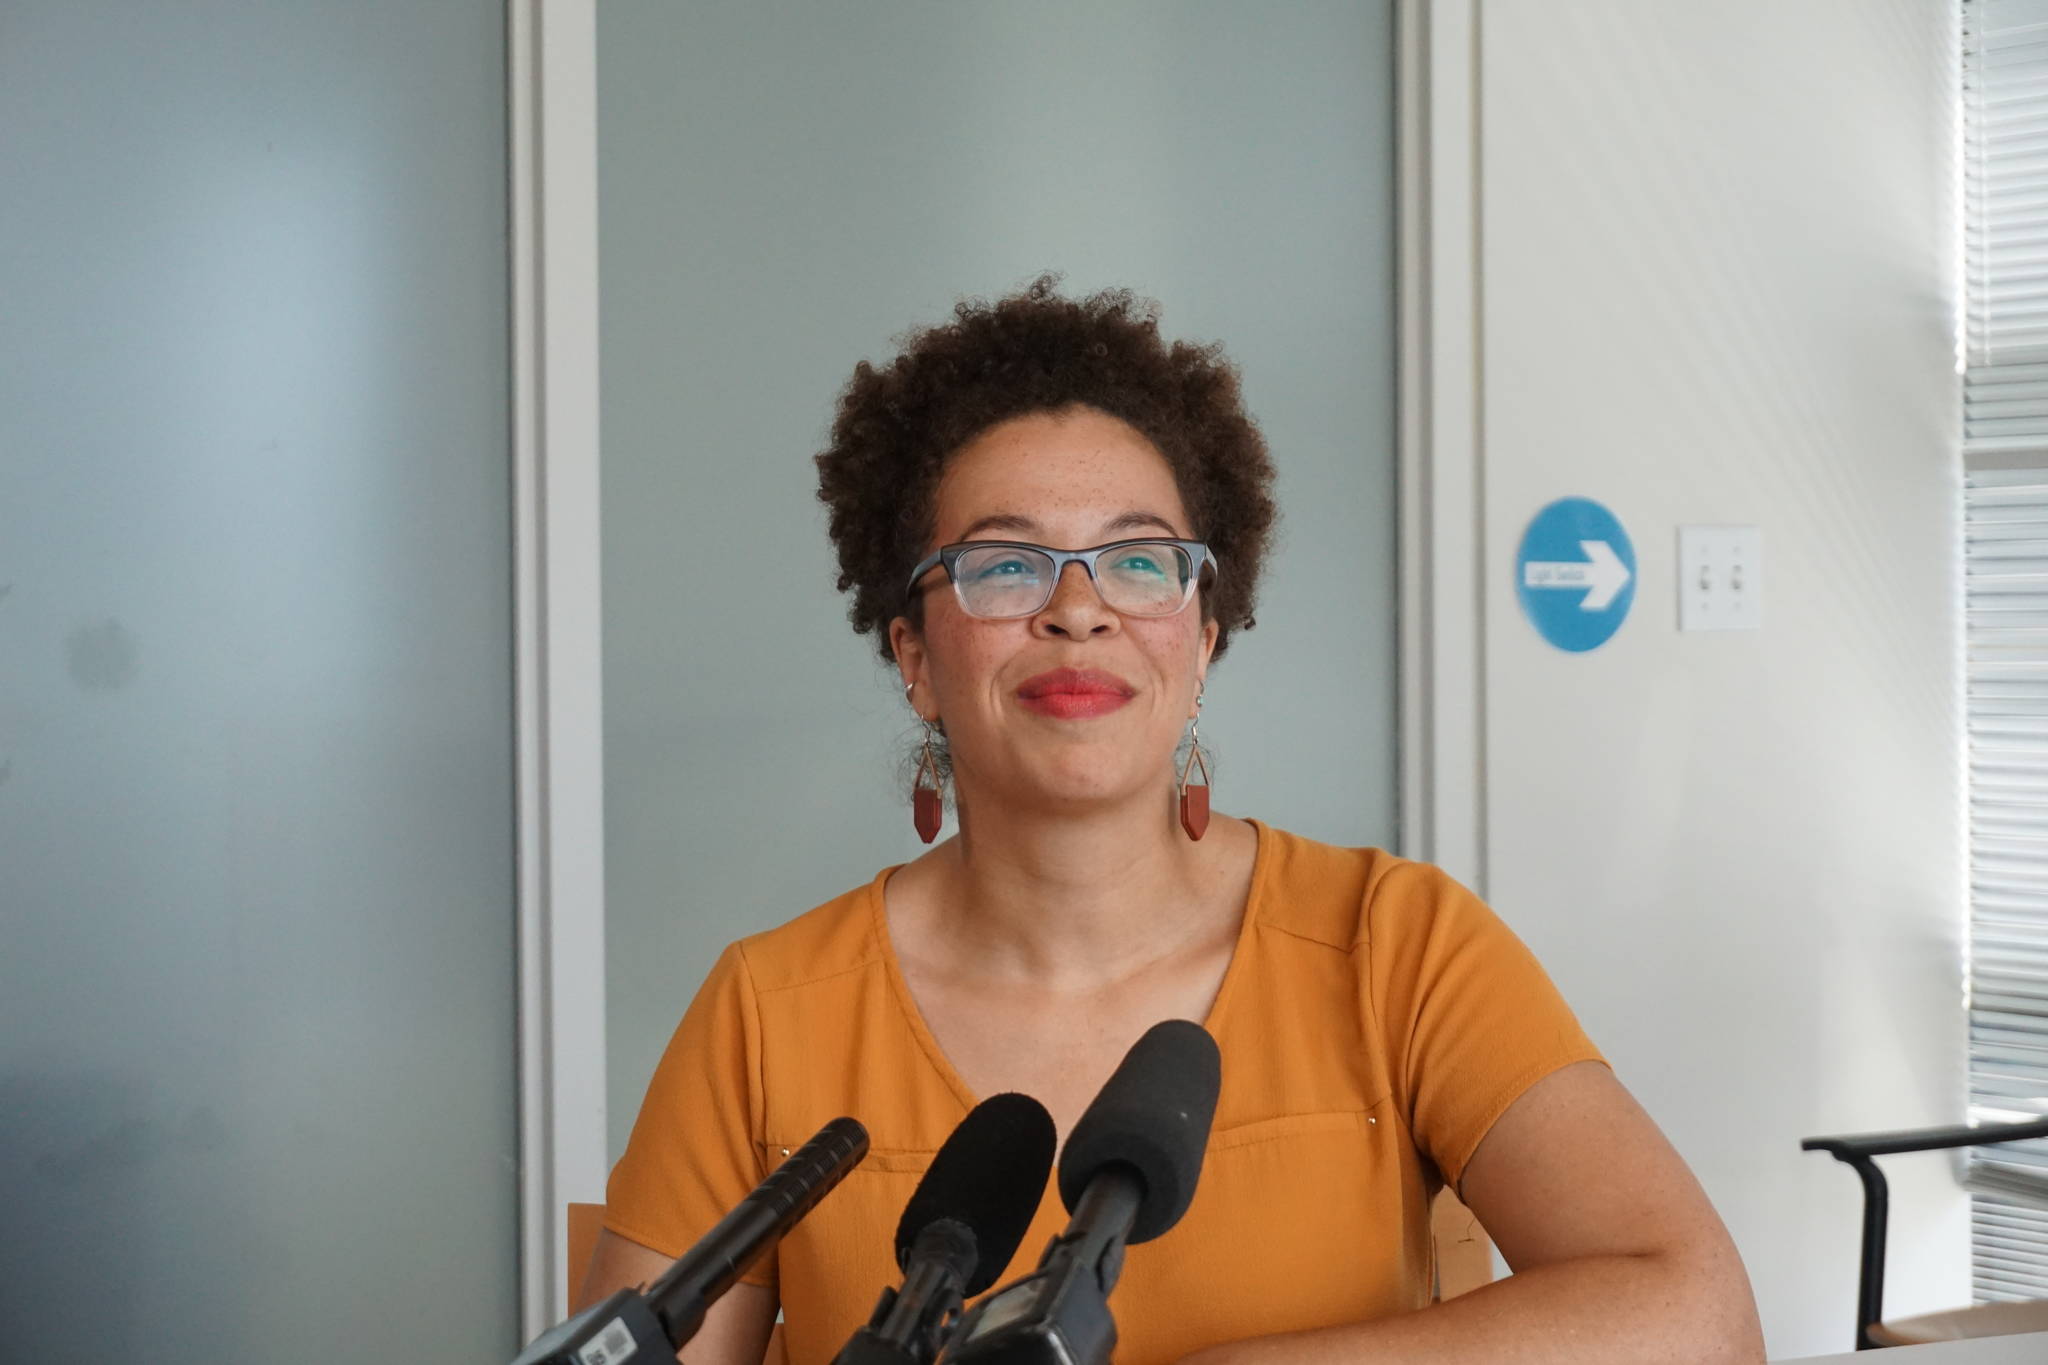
(785, 187)
(256, 925)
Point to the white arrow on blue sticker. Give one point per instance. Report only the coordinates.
(1601, 575)
(1575, 574)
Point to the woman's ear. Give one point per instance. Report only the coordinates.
(1210, 632)
(908, 646)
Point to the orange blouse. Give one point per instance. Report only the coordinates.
(1375, 1020)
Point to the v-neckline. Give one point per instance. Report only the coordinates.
(927, 1041)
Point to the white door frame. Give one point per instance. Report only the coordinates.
(552, 94)
(1442, 439)
(558, 613)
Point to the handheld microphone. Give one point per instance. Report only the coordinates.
(668, 1313)
(960, 1228)
(1127, 1175)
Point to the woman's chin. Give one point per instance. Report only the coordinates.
(1093, 793)
(1069, 780)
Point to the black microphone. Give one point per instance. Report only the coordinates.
(1127, 1175)
(960, 1228)
(668, 1313)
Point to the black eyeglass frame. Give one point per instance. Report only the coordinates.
(1200, 557)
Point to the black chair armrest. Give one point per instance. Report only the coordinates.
(1924, 1139)
(1857, 1149)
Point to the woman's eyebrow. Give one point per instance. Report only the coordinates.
(1001, 521)
(1131, 521)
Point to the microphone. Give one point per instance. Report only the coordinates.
(668, 1313)
(960, 1228)
(1127, 1175)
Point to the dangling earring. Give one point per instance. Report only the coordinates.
(1194, 800)
(927, 804)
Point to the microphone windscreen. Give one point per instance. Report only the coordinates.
(1152, 1115)
(989, 1175)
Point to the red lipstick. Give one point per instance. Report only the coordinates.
(1074, 693)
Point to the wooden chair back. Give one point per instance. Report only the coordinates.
(1464, 1253)
(585, 1222)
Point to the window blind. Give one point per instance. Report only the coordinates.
(2005, 517)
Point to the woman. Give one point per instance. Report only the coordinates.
(1382, 1032)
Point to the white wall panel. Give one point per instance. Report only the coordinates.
(1717, 274)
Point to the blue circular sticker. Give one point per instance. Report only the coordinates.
(1576, 574)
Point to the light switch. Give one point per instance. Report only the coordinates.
(1720, 577)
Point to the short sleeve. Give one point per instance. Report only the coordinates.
(695, 1149)
(1469, 1017)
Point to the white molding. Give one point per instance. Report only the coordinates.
(1442, 508)
(552, 99)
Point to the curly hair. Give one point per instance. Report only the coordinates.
(1033, 352)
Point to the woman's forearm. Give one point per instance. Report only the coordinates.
(1629, 1310)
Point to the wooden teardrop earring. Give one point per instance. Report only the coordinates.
(1194, 800)
(927, 804)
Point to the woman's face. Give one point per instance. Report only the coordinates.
(1068, 480)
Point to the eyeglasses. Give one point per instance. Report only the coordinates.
(998, 579)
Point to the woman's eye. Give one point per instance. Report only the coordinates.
(1003, 568)
(1144, 564)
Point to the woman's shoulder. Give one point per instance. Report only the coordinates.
(825, 941)
(1334, 894)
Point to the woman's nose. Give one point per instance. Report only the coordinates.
(1075, 609)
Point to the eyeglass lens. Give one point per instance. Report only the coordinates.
(1139, 580)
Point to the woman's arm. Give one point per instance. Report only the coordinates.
(1618, 1256)
(735, 1330)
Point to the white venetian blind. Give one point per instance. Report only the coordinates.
(2005, 446)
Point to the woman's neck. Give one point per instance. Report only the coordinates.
(1076, 901)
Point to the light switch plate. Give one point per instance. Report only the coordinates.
(1720, 577)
